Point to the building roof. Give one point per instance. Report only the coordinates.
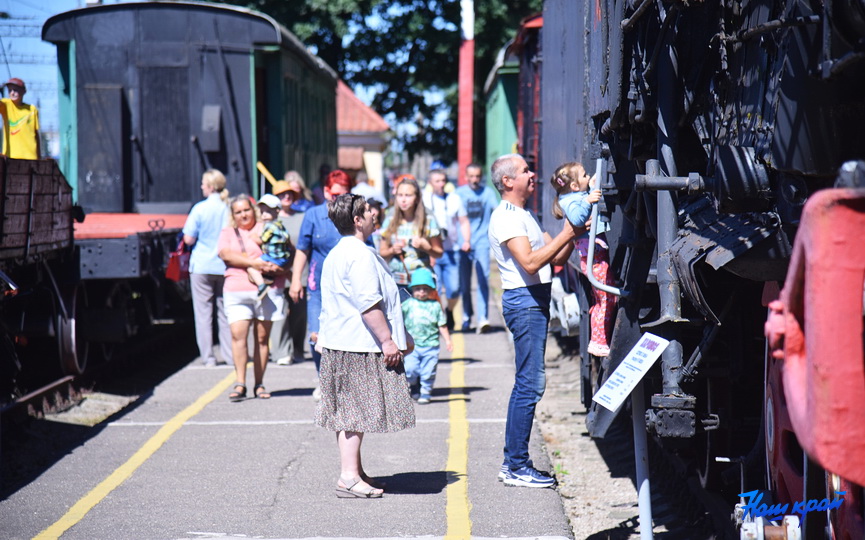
(354, 116)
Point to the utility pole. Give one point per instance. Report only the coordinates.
(465, 110)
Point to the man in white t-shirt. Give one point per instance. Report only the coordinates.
(524, 253)
(451, 216)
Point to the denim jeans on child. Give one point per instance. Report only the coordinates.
(529, 328)
(421, 365)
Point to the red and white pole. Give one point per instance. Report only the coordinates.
(465, 110)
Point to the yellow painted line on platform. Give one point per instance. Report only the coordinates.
(86, 503)
(458, 505)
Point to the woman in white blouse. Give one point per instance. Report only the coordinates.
(363, 340)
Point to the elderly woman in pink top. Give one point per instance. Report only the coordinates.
(238, 248)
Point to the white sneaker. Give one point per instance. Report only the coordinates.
(483, 327)
(284, 361)
(316, 394)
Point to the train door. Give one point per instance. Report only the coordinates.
(221, 111)
(163, 145)
(103, 137)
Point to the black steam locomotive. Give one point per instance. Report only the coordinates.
(712, 124)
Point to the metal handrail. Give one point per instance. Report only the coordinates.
(593, 231)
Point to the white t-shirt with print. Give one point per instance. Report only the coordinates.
(509, 221)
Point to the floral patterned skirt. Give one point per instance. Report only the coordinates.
(360, 393)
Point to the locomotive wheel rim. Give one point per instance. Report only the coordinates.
(73, 348)
(770, 425)
(703, 442)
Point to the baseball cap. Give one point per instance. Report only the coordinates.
(422, 276)
(271, 201)
(16, 82)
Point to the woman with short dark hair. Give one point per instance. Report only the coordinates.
(362, 339)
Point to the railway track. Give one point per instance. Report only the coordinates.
(52, 397)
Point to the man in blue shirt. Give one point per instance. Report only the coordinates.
(479, 202)
(317, 237)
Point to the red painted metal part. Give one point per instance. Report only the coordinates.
(465, 107)
(817, 329)
(98, 225)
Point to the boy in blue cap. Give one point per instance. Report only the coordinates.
(424, 320)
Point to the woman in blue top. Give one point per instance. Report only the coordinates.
(317, 237)
(206, 269)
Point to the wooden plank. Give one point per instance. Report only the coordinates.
(17, 252)
(20, 185)
(20, 204)
(18, 223)
(36, 239)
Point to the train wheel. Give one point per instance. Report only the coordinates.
(704, 453)
(119, 300)
(73, 345)
(10, 367)
(784, 455)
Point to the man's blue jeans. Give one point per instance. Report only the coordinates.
(313, 310)
(529, 328)
(477, 259)
(448, 274)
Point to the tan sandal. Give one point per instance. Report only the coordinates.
(354, 491)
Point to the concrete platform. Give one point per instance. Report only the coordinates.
(185, 462)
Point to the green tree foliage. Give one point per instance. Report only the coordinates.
(407, 51)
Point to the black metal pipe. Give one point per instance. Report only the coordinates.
(630, 22)
(705, 344)
(669, 93)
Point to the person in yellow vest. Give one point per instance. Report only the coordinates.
(20, 123)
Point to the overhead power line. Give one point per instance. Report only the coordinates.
(13, 30)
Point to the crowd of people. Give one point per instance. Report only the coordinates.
(372, 291)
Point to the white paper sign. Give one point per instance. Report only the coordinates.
(635, 365)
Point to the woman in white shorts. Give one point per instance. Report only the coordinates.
(238, 248)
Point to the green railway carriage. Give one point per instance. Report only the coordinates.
(154, 93)
(500, 91)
